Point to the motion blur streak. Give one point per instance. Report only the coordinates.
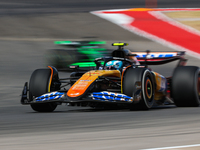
(79, 128)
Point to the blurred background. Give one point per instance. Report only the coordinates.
(28, 30)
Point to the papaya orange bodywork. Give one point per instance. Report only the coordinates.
(159, 81)
(49, 86)
(87, 79)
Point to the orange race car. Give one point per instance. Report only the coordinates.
(121, 80)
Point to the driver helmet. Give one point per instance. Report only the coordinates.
(114, 65)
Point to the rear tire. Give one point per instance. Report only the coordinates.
(131, 76)
(185, 86)
(38, 85)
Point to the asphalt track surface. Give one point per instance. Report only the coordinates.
(28, 30)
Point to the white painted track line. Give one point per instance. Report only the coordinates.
(176, 147)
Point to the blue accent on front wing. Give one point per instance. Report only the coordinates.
(50, 96)
(110, 96)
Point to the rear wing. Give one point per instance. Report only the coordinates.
(159, 58)
(161, 55)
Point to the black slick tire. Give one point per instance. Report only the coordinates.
(185, 88)
(38, 85)
(143, 75)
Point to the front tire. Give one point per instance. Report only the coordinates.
(39, 84)
(185, 86)
(143, 75)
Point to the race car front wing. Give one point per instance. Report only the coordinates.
(60, 96)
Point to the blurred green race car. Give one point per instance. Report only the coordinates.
(72, 53)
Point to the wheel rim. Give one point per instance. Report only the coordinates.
(148, 89)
